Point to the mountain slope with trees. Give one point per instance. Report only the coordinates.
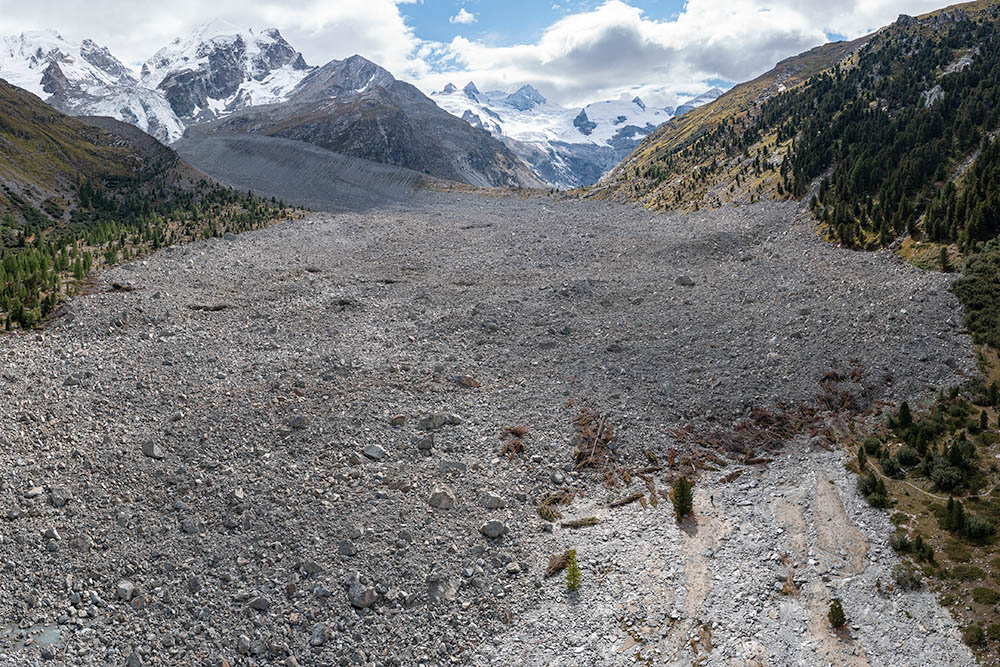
(883, 127)
(892, 139)
(77, 194)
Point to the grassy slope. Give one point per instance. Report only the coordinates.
(695, 170)
(680, 133)
(43, 152)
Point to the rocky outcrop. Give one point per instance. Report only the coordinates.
(584, 124)
(221, 68)
(356, 108)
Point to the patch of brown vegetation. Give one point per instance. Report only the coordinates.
(593, 436)
(513, 439)
(557, 563)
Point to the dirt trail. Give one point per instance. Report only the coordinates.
(702, 533)
(705, 531)
(839, 544)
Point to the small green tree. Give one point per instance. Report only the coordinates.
(906, 577)
(682, 497)
(836, 614)
(923, 550)
(943, 258)
(573, 574)
(954, 519)
(862, 459)
(905, 416)
(984, 423)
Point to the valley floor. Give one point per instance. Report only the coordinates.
(214, 459)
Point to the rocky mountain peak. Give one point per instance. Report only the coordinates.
(471, 91)
(638, 102)
(525, 98)
(449, 89)
(341, 77)
(100, 57)
(219, 68)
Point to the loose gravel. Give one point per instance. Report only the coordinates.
(285, 447)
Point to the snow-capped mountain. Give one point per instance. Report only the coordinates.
(220, 68)
(216, 70)
(526, 115)
(567, 147)
(704, 98)
(84, 79)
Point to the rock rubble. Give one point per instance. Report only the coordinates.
(318, 473)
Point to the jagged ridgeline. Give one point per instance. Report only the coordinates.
(79, 194)
(889, 129)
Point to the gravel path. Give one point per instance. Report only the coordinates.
(282, 447)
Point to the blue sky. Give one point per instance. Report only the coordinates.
(511, 22)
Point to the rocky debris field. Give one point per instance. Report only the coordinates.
(325, 443)
(748, 581)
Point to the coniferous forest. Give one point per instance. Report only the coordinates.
(76, 197)
(40, 262)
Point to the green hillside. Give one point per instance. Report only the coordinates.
(78, 194)
(883, 125)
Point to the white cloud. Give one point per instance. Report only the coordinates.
(321, 29)
(615, 50)
(463, 16)
(610, 51)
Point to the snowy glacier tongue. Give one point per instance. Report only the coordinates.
(527, 116)
(567, 146)
(84, 79)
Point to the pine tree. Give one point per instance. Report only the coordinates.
(862, 459)
(836, 614)
(945, 262)
(958, 520)
(984, 423)
(954, 516)
(682, 497)
(955, 455)
(905, 417)
(573, 575)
